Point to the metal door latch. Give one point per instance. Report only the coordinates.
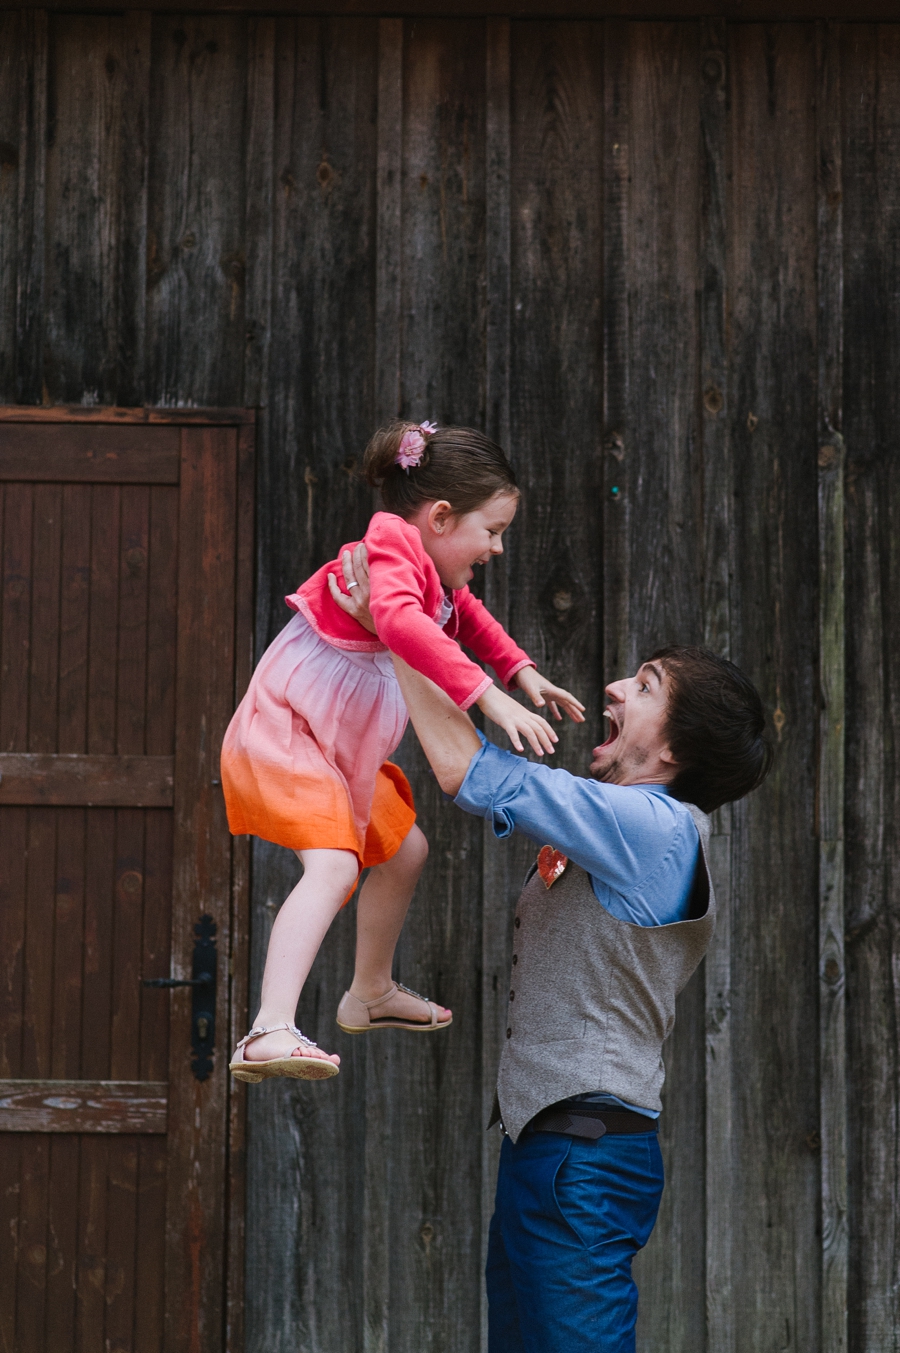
(203, 998)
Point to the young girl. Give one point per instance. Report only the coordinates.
(304, 759)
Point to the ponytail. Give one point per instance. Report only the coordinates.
(459, 465)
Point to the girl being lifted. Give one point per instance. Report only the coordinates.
(304, 759)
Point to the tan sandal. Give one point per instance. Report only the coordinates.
(354, 1016)
(299, 1068)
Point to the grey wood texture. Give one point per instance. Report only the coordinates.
(831, 789)
(658, 261)
(870, 120)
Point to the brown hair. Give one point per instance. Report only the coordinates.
(715, 726)
(460, 465)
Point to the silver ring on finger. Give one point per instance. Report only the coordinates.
(353, 584)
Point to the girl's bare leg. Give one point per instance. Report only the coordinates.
(298, 932)
(381, 910)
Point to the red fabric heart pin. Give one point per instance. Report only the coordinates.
(551, 864)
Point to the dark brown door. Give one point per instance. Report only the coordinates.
(124, 633)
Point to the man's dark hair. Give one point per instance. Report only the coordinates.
(715, 726)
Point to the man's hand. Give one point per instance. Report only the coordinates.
(513, 719)
(356, 576)
(542, 692)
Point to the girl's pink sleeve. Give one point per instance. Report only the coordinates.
(398, 585)
(488, 639)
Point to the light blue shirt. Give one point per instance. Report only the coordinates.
(638, 844)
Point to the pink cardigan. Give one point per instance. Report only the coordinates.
(406, 598)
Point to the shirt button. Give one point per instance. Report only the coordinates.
(515, 959)
(512, 995)
(509, 1033)
(518, 922)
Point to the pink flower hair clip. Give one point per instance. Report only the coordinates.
(412, 445)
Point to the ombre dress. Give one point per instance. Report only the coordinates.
(304, 761)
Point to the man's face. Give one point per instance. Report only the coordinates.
(636, 751)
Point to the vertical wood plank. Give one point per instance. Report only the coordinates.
(122, 1241)
(106, 514)
(32, 158)
(195, 1214)
(388, 237)
(240, 911)
(134, 586)
(11, 38)
(150, 1276)
(316, 421)
(10, 1193)
(195, 267)
(96, 207)
(42, 678)
(499, 873)
(556, 381)
(775, 1186)
(162, 601)
(436, 1247)
(617, 152)
(259, 208)
(718, 567)
(656, 107)
(90, 1305)
(832, 714)
(68, 941)
(62, 1243)
(31, 1294)
(74, 616)
(870, 184)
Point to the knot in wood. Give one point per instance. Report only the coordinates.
(713, 400)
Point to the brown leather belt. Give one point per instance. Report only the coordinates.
(591, 1122)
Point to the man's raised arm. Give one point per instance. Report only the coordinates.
(446, 732)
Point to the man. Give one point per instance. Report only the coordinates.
(608, 929)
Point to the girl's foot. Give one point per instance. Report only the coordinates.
(396, 1008)
(285, 1052)
(284, 1044)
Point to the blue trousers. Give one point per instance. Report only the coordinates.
(570, 1215)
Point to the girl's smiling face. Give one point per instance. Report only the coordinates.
(456, 544)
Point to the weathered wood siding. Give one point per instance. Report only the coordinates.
(661, 263)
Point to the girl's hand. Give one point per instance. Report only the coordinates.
(542, 692)
(356, 577)
(511, 717)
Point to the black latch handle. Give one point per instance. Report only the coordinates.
(203, 1000)
(205, 979)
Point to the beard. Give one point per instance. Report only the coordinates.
(619, 770)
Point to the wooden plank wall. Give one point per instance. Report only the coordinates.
(659, 261)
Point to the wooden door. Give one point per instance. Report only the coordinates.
(124, 630)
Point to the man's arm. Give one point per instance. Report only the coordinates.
(446, 732)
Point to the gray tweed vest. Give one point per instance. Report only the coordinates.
(592, 998)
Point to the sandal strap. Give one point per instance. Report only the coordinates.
(409, 991)
(418, 995)
(260, 1029)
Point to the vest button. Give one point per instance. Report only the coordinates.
(518, 922)
(515, 959)
(509, 1033)
(512, 995)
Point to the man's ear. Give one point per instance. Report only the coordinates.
(666, 755)
(439, 514)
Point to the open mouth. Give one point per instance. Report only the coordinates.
(613, 731)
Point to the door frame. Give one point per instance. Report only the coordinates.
(198, 815)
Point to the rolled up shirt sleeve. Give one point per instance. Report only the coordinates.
(629, 839)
